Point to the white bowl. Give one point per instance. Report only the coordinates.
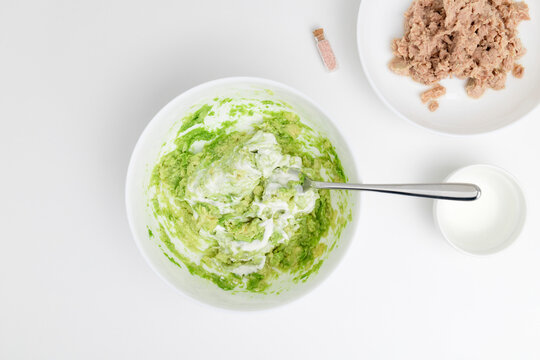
(487, 225)
(145, 156)
(459, 114)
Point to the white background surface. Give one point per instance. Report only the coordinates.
(78, 83)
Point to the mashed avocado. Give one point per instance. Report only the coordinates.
(228, 209)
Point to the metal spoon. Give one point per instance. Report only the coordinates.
(443, 191)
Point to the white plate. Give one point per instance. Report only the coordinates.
(458, 114)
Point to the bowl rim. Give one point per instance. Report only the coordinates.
(129, 184)
(520, 224)
(402, 116)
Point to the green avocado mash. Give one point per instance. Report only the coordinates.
(228, 209)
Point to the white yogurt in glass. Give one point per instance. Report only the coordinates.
(486, 225)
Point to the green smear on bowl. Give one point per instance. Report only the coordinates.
(226, 206)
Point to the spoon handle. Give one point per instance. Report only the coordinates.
(444, 191)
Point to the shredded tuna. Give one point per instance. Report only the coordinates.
(435, 92)
(474, 88)
(400, 66)
(475, 40)
(433, 105)
(518, 70)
